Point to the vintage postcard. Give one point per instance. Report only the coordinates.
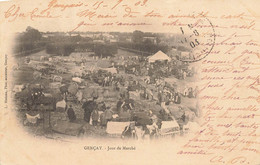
(120, 82)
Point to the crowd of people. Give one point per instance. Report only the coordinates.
(134, 80)
(153, 87)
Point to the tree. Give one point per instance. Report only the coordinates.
(147, 45)
(75, 39)
(104, 50)
(137, 36)
(32, 35)
(29, 41)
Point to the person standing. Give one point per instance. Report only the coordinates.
(103, 121)
(186, 92)
(88, 107)
(190, 92)
(177, 98)
(163, 99)
(71, 114)
(184, 75)
(119, 104)
(95, 117)
(108, 114)
(159, 97)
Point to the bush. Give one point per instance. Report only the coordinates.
(64, 49)
(104, 50)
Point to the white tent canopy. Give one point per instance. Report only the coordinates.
(159, 56)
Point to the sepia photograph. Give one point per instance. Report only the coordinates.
(125, 85)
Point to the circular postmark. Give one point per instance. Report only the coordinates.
(198, 40)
